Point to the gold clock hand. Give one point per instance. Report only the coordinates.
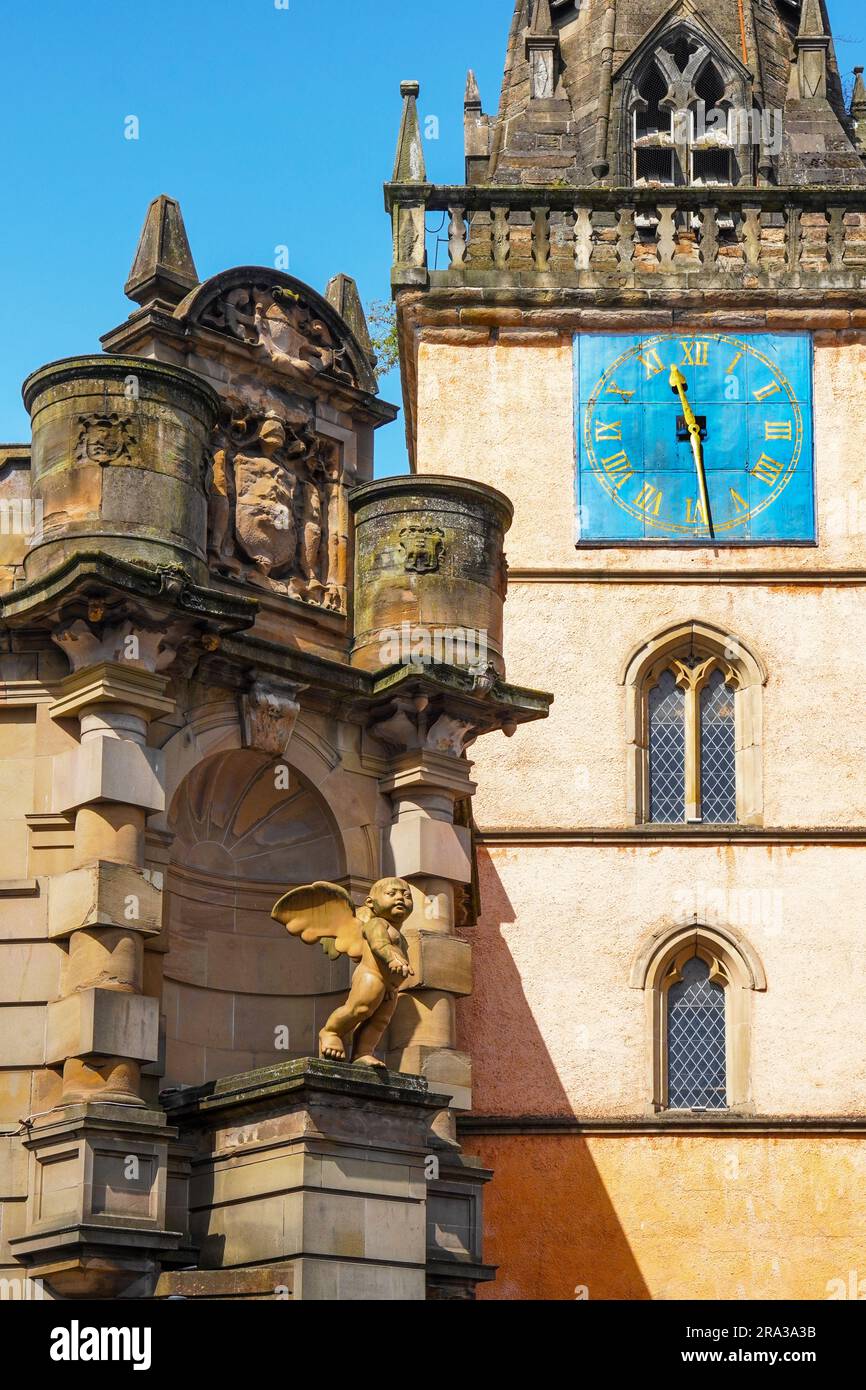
(678, 386)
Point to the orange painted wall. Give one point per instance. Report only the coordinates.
(674, 1216)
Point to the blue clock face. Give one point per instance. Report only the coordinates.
(643, 477)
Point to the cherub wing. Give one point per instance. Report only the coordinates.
(322, 912)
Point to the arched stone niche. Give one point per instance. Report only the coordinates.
(238, 992)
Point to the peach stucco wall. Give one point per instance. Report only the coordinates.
(673, 1217)
(554, 1027)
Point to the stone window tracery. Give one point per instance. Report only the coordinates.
(687, 112)
(699, 982)
(694, 710)
(692, 742)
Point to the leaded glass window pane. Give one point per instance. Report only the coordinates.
(718, 753)
(696, 1041)
(667, 751)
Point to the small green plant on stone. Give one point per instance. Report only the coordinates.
(382, 320)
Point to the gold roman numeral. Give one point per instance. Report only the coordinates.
(611, 430)
(618, 467)
(652, 362)
(732, 364)
(740, 503)
(695, 354)
(695, 513)
(649, 499)
(767, 469)
(778, 429)
(767, 391)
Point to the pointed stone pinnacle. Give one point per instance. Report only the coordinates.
(472, 98)
(812, 20)
(542, 20)
(163, 268)
(342, 294)
(409, 166)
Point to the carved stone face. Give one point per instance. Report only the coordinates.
(272, 436)
(103, 438)
(423, 548)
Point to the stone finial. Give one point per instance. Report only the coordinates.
(472, 98)
(812, 20)
(163, 269)
(542, 20)
(542, 51)
(812, 44)
(409, 166)
(858, 110)
(342, 293)
(476, 132)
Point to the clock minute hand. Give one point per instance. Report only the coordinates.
(678, 386)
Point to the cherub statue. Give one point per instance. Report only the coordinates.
(371, 936)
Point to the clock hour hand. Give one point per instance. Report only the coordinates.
(678, 386)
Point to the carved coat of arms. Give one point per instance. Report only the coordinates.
(423, 548)
(103, 439)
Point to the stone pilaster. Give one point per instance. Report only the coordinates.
(425, 781)
(102, 1030)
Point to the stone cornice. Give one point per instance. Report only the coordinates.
(669, 1123)
(651, 836)
(790, 578)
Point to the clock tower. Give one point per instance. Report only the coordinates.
(650, 333)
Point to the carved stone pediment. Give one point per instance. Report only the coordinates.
(282, 322)
(276, 496)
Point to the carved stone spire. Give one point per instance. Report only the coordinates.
(472, 98)
(858, 111)
(163, 270)
(409, 166)
(812, 44)
(542, 22)
(476, 133)
(342, 293)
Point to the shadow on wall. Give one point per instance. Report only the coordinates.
(238, 992)
(550, 1225)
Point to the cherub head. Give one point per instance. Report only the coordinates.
(391, 899)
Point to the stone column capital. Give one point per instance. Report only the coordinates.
(423, 770)
(119, 683)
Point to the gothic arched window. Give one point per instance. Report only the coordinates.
(692, 742)
(718, 751)
(679, 93)
(699, 984)
(694, 714)
(653, 132)
(696, 1048)
(711, 151)
(667, 749)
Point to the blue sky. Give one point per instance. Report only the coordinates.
(272, 126)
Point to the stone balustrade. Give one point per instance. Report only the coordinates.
(639, 238)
